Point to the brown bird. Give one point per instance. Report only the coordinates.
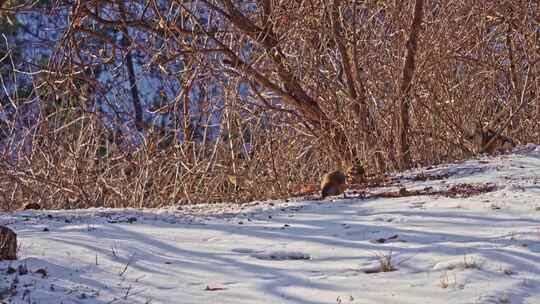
(334, 183)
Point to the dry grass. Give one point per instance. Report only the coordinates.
(444, 281)
(72, 174)
(385, 263)
(470, 263)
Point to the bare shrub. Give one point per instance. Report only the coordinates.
(145, 104)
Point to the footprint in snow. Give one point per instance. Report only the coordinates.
(282, 255)
(273, 255)
(245, 250)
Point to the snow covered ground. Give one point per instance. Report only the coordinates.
(479, 249)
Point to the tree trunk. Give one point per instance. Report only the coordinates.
(405, 88)
(188, 134)
(131, 71)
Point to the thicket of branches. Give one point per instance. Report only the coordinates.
(148, 103)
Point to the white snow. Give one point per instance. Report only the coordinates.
(480, 249)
